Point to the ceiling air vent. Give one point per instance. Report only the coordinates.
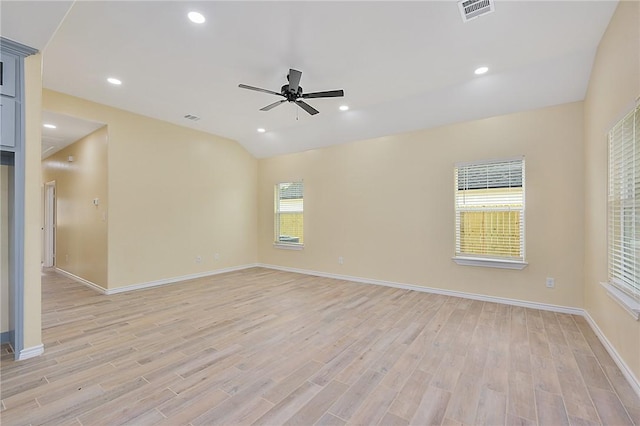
(192, 117)
(472, 9)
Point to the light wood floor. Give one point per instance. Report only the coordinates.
(268, 347)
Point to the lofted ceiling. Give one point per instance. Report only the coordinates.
(403, 65)
(67, 131)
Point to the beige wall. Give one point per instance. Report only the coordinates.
(174, 194)
(386, 206)
(613, 89)
(81, 238)
(33, 202)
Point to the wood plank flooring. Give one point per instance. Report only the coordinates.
(267, 347)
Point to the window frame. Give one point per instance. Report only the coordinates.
(621, 171)
(287, 245)
(492, 261)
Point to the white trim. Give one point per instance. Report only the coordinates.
(285, 246)
(81, 280)
(489, 263)
(624, 368)
(629, 304)
(31, 352)
(155, 283)
(173, 280)
(453, 293)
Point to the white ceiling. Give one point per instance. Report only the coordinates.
(403, 65)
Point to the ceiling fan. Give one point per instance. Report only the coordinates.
(292, 92)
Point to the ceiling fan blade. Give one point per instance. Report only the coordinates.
(294, 80)
(327, 94)
(305, 106)
(273, 105)
(257, 89)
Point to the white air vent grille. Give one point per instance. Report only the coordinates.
(472, 9)
(192, 117)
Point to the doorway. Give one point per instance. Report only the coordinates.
(49, 224)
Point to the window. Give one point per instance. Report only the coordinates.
(289, 212)
(489, 208)
(624, 206)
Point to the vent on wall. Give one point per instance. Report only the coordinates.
(472, 9)
(192, 117)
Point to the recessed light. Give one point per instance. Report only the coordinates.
(481, 70)
(261, 130)
(49, 126)
(196, 17)
(114, 81)
(344, 108)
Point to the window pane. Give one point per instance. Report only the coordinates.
(489, 202)
(291, 228)
(289, 211)
(490, 233)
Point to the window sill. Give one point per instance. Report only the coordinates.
(489, 263)
(630, 305)
(286, 246)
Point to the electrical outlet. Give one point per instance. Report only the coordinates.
(341, 260)
(551, 282)
(198, 259)
(216, 256)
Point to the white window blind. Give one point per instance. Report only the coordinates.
(489, 208)
(289, 213)
(623, 204)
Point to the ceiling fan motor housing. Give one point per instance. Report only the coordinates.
(289, 94)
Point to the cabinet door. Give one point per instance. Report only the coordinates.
(8, 65)
(7, 122)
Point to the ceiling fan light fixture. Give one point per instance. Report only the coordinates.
(196, 17)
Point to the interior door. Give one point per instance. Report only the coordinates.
(49, 224)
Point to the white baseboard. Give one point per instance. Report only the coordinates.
(81, 280)
(624, 368)
(31, 352)
(473, 296)
(174, 280)
(165, 281)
